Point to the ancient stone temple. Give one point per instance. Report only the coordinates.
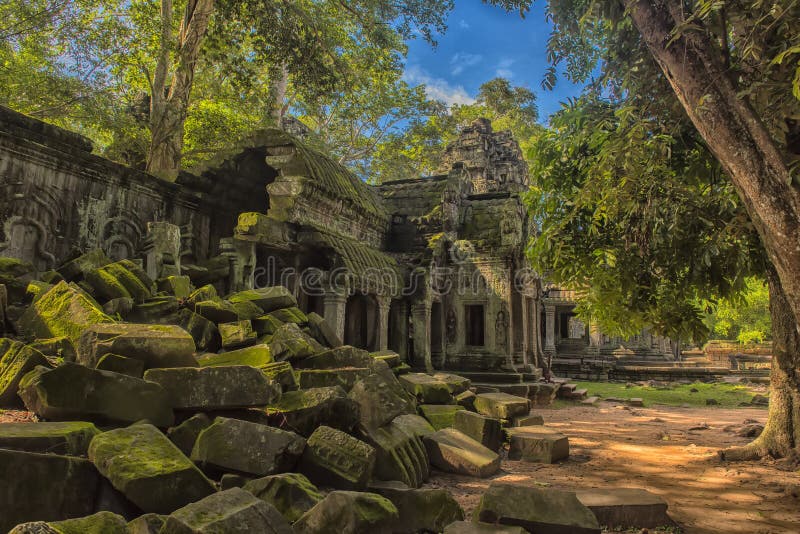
(432, 268)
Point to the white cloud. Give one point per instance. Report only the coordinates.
(504, 69)
(463, 24)
(461, 61)
(437, 88)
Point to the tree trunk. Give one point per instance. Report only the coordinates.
(168, 112)
(694, 65)
(280, 90)
(781, 436)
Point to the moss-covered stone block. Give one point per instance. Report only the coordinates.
(44, 487)
(62, 311)
(148, 468)
(185, 434)
(217, 311)
(502, 405)
(120, 364)
(484, 429)
(99, 523)
(291, 343)
(256, 356)
(75, 392)
(245, 447)
(319, 378)
(237, 335)
(177, 286)
(535, 509)
(76, 268)
(349, 511)
(381, 398)
(55, 347)
(282, 373)
(427, 389)
(16, 360)
(266, 325)
(268, 299)
(440, 415)
(305, 410)
(155, 345)
(400, 453)
(207, 292)
(340, 357)
(154, 310)
(290, 315)
(229, 511)
(420, 510)
(147, 524)
(120, 279)
(457, 384)
(204, 332)
(455, 452)
(338, 460)
(246, 310)
(70, 438)
(322, 331)
(292, 494)
(215, 388)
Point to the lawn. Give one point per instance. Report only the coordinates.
(696, 394)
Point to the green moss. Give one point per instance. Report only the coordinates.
(99, 523)
(727, 395)
(62, 311)
(256, 356)
(16, 360)
(125, 277)
(440, 416)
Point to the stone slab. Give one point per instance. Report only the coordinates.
(537, 444)
(70, 438)
(626, 507)
(455, 452)
(543, 511)
(502, 405)
(483, 429)
(335, 459)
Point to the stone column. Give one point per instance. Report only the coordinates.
(550, 328)
(335, 305)
(523, 322)
(421, 320)
(162, 256)
(384, 304)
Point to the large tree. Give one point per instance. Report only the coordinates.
(731, 68)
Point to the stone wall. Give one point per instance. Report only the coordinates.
(56, 197)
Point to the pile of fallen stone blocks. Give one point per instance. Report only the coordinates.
(165, 408)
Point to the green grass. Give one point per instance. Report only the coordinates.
(728, 395)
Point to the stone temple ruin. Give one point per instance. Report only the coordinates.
(235, 351)
(431, 268)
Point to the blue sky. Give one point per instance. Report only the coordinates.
(483, 42)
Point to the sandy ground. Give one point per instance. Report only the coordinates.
(657, 449)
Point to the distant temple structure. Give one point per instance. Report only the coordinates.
(432, 268)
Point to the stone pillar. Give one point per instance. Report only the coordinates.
(162, 250)
(523, 322)
(400, 321)
(242, 258)
(335, 305)
(550, 328)
(384, 304)
(421, 320)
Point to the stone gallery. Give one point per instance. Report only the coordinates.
(272, 345)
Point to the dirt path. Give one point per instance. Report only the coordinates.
(655, 449)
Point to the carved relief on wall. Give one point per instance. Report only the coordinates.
(26, 239)
(31, 232)
(577, 328)
(121, 235)
(501, 330)
(451, 326)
